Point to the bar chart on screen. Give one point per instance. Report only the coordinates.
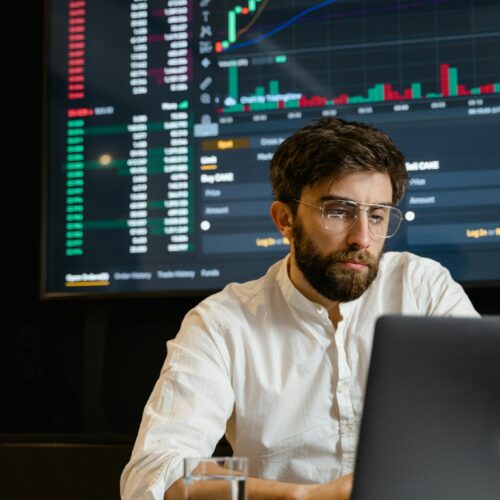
(159, 162)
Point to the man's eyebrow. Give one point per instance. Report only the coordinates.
(335, 197)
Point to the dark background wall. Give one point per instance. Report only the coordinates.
(74, 375)
(81, 368)
(71, 371)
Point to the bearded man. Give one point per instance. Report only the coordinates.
(279, 364)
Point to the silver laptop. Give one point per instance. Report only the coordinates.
(431, 422)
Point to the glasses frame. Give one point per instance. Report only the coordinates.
(359, 206)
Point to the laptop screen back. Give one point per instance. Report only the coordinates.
(431, 421)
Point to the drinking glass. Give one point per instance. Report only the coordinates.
(220, 478)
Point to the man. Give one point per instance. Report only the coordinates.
(279, 364)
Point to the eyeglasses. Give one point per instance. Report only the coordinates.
(341, 215)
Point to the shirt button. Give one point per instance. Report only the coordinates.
(345, 428)
(343, 386)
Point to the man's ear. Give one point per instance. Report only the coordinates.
(282, 218)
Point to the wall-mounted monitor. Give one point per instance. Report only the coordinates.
(162, 117)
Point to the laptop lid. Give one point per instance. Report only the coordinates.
(430, 428)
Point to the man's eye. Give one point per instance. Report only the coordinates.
(377, 215)
(337, 212)
(376, 219)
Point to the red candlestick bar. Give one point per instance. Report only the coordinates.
(341, 99)
(315, 100)
(489, 88)
(462, 90)
(445, 80)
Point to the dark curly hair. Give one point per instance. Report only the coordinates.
(330, 148)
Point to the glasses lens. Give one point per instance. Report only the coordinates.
(340, 215)
(384, 221)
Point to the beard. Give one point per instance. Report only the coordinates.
(326, 277)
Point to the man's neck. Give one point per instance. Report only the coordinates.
(305, 288)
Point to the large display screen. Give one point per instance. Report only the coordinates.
(163, 115)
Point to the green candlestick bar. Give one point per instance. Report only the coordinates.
(416, 90)
(292, 103)
(235, 108)
(274, 87)
(453, 81)
(233, 82)
(260, 106)
(232, 32)
(231, 26)
(449, 86)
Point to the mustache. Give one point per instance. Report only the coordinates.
(360, 256)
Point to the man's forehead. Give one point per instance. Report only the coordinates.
(360, 187)
(352, 182)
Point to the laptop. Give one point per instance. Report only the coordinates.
(430, 427)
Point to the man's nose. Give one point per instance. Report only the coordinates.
(359, 234)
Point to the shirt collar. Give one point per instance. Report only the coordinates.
(300, 302)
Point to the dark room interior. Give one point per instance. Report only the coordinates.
(76, 373)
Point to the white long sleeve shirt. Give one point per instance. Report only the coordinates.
(264, 365)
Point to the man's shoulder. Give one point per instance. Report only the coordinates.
(424, 286)
(227, 316)
(415, 274)
(410, 262)
(237, 295)
(411, 272)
